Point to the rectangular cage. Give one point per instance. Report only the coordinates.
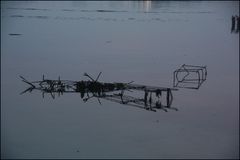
(189, 76)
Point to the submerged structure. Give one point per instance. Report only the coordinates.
(189, 76)
(145, 97)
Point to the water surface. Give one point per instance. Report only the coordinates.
(140, 41)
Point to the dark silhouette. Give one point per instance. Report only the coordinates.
(188, 81)
(110, 91)
(145, 98)
(158, 93)
(238, 24)
(233, 24)
(105, 91)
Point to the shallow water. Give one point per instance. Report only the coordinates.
(140, 41)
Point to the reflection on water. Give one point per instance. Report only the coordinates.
(142, 7)
(148, 10)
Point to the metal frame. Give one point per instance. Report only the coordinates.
(190, 83)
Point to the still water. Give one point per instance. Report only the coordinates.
(128, 41)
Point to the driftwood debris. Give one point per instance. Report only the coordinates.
(115, 92)
(152, 98)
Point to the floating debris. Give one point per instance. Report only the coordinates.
(153, 98)
(115, 92)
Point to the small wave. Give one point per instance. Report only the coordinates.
(40, 17)
(101, 10)
(20, 16)
(14, 34)
(41, 9)
(13, 8)
(131, 18)
(69, 10)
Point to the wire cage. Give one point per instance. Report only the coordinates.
(189, 76)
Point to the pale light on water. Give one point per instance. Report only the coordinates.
(141, 41)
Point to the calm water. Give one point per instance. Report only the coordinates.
(140, 41)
